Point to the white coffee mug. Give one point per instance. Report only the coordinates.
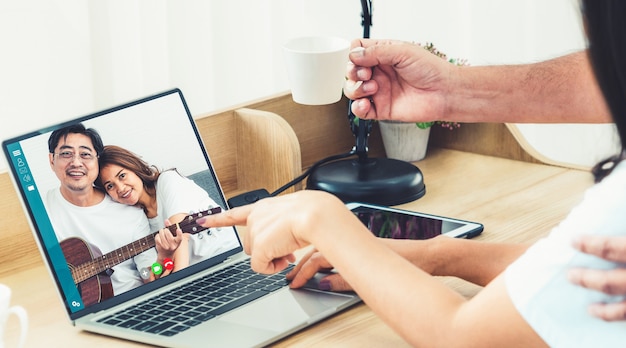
(316, 68)
(6, 310)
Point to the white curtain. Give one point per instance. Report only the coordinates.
(66, 58)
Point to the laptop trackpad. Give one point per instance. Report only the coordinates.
(286, 309)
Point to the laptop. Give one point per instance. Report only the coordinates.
(195, 306)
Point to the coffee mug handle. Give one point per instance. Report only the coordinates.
(20, 312)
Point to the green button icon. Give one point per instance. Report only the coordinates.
(157, 268)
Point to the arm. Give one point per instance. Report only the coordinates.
(178, 196)
(168, 246)
(403, 295)
(476, 262)
(179, 245)
(561, 90)
(390, 78)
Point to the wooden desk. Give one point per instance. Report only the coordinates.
(516, 201)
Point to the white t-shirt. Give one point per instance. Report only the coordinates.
(537, 282)
(177, 194)
(106, 226)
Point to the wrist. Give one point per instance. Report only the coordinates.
(422, 253)
(435, 248)
(474, 95)
(161, 258)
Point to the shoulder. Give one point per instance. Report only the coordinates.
(169, 176)
(605, 201)
(173, 181)
(56, 204)
(113, 207)
(53, 194)
(537, 281)
(600, 211)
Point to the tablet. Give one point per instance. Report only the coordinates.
(387, 222)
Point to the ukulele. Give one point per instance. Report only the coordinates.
(91, 270)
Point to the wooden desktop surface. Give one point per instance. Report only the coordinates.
(516, 201)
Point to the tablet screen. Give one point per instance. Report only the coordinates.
(399, 224)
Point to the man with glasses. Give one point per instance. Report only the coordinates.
(80, 212)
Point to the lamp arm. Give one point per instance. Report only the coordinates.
(382, 181)
(366, 17)
(361, 128)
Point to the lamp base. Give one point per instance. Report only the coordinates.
(382, 181)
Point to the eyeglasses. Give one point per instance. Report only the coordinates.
(68, 156)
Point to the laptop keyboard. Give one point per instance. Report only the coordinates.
(198, 301)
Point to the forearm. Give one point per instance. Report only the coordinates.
(561, 90)
(402, 295)
(424, 310)
(181, 255)
(474, 261)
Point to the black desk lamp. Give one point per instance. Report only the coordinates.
(382, 181)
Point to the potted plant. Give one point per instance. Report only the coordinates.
(409, 141)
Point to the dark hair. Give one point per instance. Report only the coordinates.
(606, 31)
(77, 128)
(112, 154)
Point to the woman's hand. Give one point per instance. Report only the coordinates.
(278, 226)
(311, 264)
(167, 243)
(170, 249)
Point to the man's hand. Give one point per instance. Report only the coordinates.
(612, 282)
(397, 79)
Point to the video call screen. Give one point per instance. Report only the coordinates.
(160, 130)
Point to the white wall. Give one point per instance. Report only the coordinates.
(65, 58)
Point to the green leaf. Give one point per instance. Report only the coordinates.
(424, 125)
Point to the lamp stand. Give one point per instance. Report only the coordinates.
(383, 181)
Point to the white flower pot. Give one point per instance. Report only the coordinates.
(404, 141)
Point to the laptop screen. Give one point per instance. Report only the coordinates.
(100, 246)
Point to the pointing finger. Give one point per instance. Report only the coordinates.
(231, 217)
